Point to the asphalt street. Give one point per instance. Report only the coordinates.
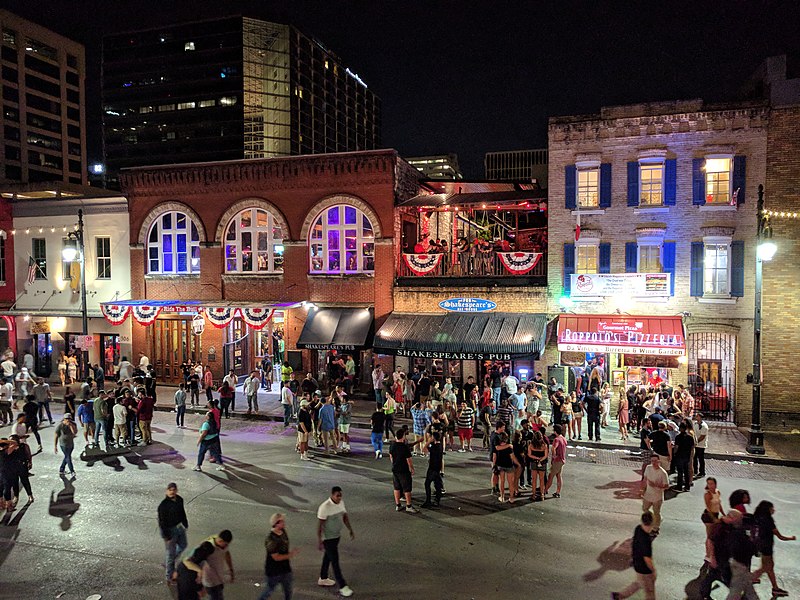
(97, 534)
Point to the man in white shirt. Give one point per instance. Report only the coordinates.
(144, 362)
(232, 380)
(654, 481)
(120, 419)
(125, 369)
(216, 564)
(512, 384)
(702, 443)
(8, 366)
(251, 385)
(331, 516)
(287, 400)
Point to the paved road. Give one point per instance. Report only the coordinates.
(98, 534)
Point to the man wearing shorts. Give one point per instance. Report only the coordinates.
(466, 421)
(345, 416)
(558, 452)
(303, 429)
(402, 470)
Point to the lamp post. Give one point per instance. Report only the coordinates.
(70, 254)
(765, 250)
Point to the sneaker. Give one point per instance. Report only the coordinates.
(556, 495)
(380, 454)
(61, 473)
(779, 593)
(220, 468)
(397, 508)
(72, 474)
(346, 591)
(461, 450)
(327, 582)
(411, 510)
(197, 469)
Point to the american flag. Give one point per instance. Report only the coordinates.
(32, 266)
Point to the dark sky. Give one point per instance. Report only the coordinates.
(472, 77)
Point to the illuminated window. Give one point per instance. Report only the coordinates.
(227, 101)
(145, 109)
(166, 107)
(188, 46)
(651, 184)
(342, 241)
(718, 180)
(206, 103)
(103, 256)
(185, 105)
(254, 243)
(716, 279)
(586, 258)
(39, 255)
(589, 187)
(173, 246)
(650, 259)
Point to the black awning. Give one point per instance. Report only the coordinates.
(337, 329)
(494, 336)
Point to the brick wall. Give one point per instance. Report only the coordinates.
(781, 311)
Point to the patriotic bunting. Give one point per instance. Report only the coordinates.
(221, 316)
(422, 264)
(115, 313)
(519, 263)
(146, 315)
(256, 318)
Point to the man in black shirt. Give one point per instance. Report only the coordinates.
(642, 554)
(684, 444)
(309, 385)
(742, 549)
(434, 474)
(378, 420)
(402, 469)
(468, 389)
(593, 405)
(660, 443)
(173, 524)
(304, 428)
(277, 569)
(494, 440)
(423, 388)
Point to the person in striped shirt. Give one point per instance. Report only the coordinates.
(465, 422)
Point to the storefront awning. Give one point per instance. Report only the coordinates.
(336, 329)
(217, 312)
(494, 336)
(662, 336)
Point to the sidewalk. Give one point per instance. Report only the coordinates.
(726, 441)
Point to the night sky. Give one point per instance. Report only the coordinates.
(472, 77)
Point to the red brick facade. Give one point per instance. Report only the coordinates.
(297, 189)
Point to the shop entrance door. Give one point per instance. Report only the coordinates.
(237, 349)
(42, 351)
(109, 347)
(173, 344)
(712, 373)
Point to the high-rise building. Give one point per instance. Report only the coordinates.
(517, 165)
(42, 120)
(438, 166)
(230, 88)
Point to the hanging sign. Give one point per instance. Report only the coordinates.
(83, 342)
(467, 305)
(198, 324)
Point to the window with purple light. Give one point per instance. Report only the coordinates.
(341, 240)
(170, 249)
(254, 243)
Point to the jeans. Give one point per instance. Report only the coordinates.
(175, 544)
(270, 583)
(720, 573)
(100, 425)
(67, 462)
(287, 414)
(34, 427)
(211, 446)
(379, 398)
(224, 406)
(389, 425)
(252, 402)
(434, 477)
(331, 558)
(496, 396)
(700, 461)
(181, 412)
(45, 407)
(594, 426)
(195, 396)
(131, 425)
(682, 466)
(216, 592)
(377, 441)
(209, 393)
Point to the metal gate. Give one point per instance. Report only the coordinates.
(712, 373)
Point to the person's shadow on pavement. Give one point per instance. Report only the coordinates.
(63, 505)
(617, 557)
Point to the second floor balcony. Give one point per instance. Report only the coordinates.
(496, 237)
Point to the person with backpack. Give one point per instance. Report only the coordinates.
(209, 442)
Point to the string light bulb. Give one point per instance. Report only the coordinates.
(52, 230)
(41, 229)
(13, 231)
(27, 230)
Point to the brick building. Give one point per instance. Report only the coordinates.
(308, 237)
(664, 195)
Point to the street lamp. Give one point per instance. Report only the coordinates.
(75, 250)
(765, 250)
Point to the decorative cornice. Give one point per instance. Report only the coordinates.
(298, 172)
(717, 230)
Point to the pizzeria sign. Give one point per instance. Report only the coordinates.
(663, 336)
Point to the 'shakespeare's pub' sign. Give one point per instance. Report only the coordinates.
(467, 305)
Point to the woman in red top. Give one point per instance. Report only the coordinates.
(226, 396)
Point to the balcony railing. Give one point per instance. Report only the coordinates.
(475, 265)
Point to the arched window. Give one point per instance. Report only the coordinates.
(173, 246)
(254, 243)
(342, 241)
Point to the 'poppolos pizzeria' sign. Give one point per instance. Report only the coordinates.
(467, 305)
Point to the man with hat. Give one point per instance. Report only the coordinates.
(277, 569)
(304, 426)
(65, 440)
(173, 524)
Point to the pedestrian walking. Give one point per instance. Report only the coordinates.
(21, 465)
(402, 470)
(742, 549)
(172, 523)
(766, 532)
(7, 474)
(377, 420)
(180, 405)
(208, 383)
(65, 441)
(701, 430)
(642, 555)
(558, 458)
(209, 442)
(435, 468)
(216, 564)
(226, 396)
(465, 421)
(43, 397)
(654, 481)
(331, 516)
(251, 385)
(189, 570)
(277, 566)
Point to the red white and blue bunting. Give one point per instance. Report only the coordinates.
(422, 264)
(146, 315)
(519, 263)
(256, 318)
(221, 316)
(116, 314)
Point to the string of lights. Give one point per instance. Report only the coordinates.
(781, 214)
(52, 229)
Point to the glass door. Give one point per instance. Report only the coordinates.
(173, 344)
